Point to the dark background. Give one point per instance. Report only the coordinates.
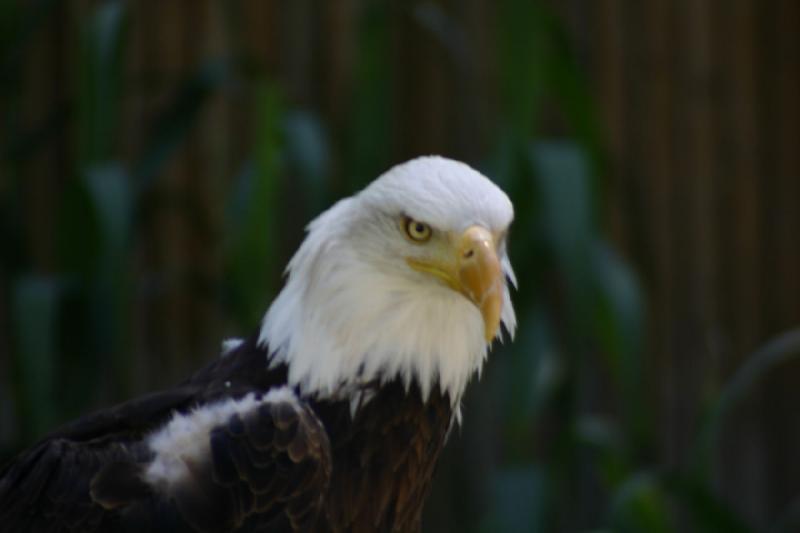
(158, 161)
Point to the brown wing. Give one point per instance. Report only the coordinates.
(47, 489)
(267, 470)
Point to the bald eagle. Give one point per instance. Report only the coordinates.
(330, 417)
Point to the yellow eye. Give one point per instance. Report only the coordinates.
(417, 231)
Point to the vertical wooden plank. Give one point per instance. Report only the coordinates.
(692, 204)
(42, 170)
(740, 233)
(780, 264)
(698, 154)
(336, 51)
(481, 25)
(206, 159)
(607, 77)
(465, 34)
(741, 154)
(421, 101)
(651, 126)
(786, 92)
(168, 35)
(261, 23)
(297, 51)
(133, 84)
(194, 164)
(134, 112)
(219, 140)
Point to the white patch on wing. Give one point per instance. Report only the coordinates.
(282, 394)
(229, 345)
(185, 438)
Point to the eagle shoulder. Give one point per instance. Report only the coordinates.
(260, 458)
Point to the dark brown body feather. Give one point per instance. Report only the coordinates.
(383, 460)
(276, 469)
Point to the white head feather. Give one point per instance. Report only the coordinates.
(353, 310)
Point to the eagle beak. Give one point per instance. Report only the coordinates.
(480, 276)
(475, 272)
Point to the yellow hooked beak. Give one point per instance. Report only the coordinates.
(474, 270)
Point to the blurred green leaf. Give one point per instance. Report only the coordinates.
(517, 499)
(112, 198)
(9, 33)
(608, 443)
(176, 120)
(94, 238)
(640, 505)
(100, 82)
(534, 373)
(523, 49)
(79, 235)
(449, 32)
(618, 324)
(95, 222)
(307, 155)
(777, 351)
(562, 177)
(19, 22)
(369, 134)
(708, 512)
(34, 310)
(569, 87)
(621, 298)
(253, 215)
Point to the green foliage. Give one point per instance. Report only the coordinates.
(253, 216)
(100, 82)
(178, 118)
(368, 134)
(518, 498)
(34, 306)
(776, 352)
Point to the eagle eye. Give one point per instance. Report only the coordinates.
(417, 231)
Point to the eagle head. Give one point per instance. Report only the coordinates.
(406, 279)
